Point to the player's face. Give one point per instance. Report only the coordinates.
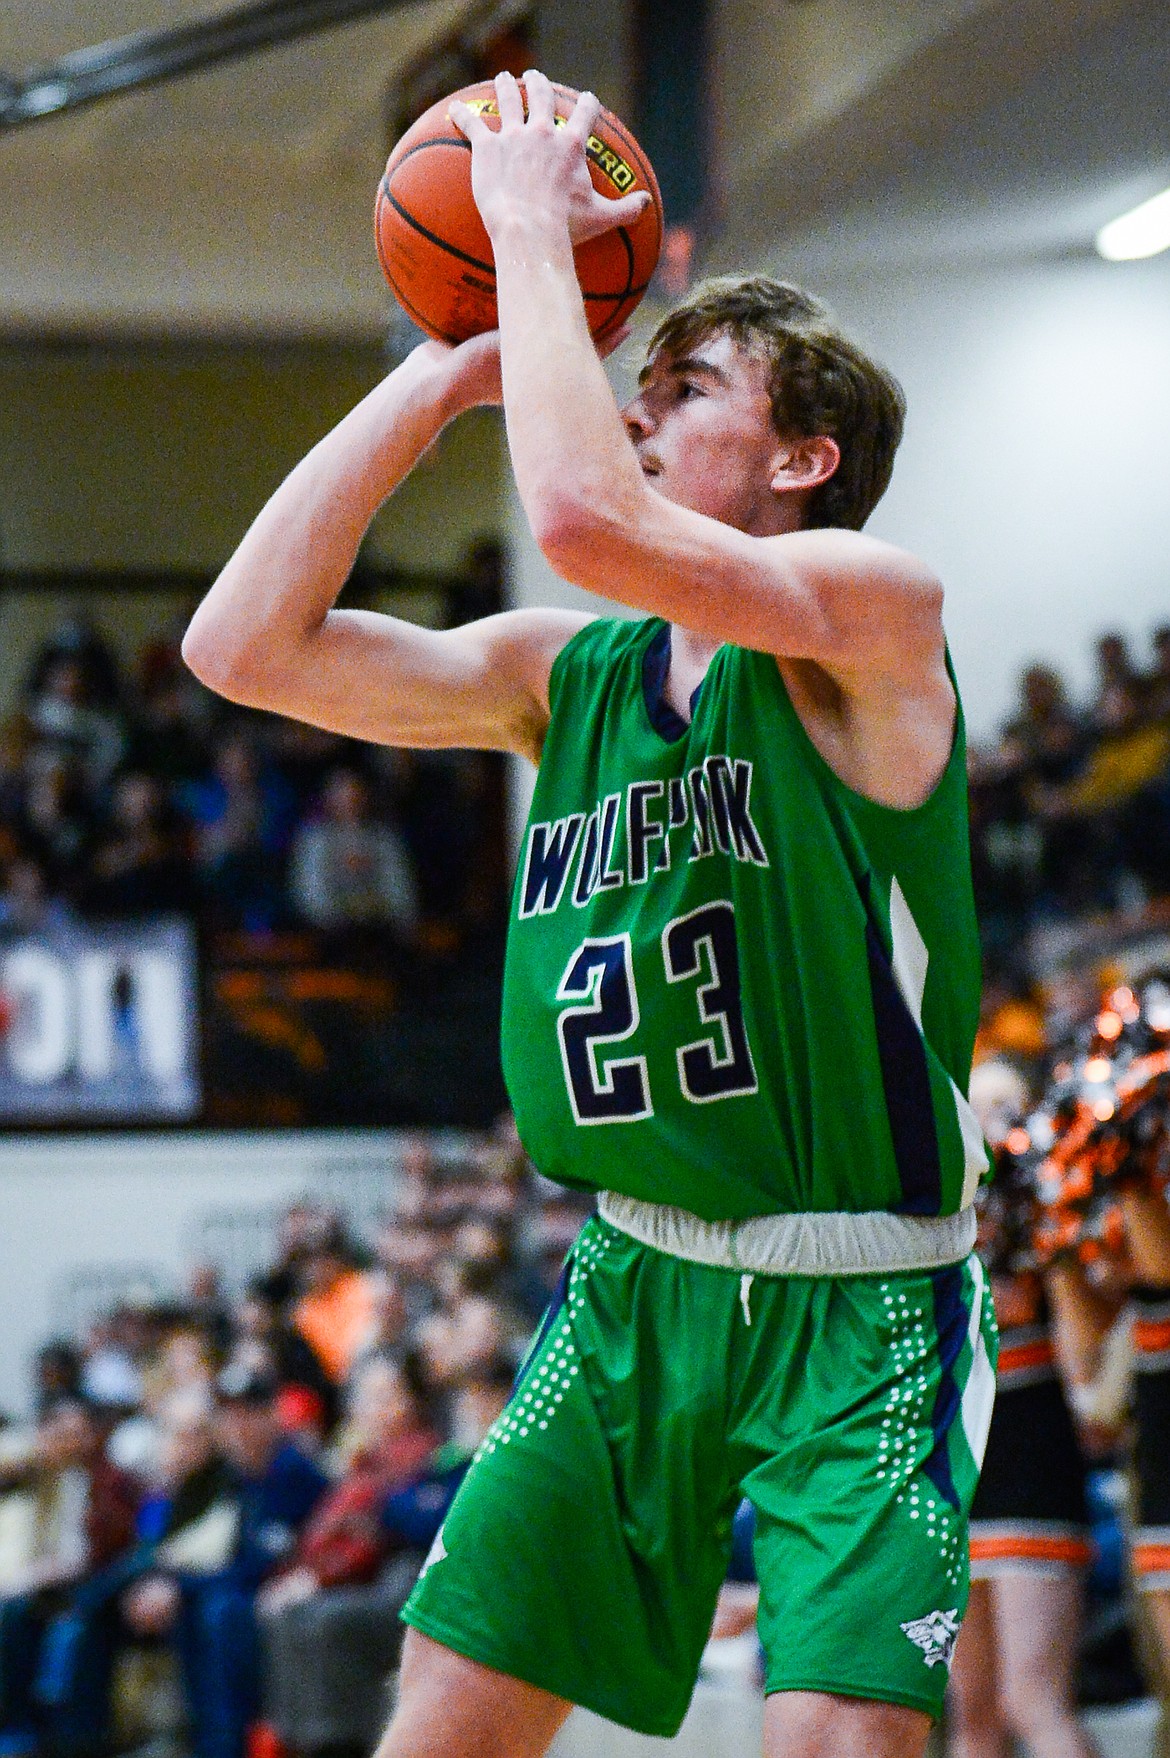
(701, 425)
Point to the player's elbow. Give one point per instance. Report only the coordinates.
(556, 523)
(572, 529)
(220, 662)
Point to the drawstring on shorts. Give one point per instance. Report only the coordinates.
(745, 1289)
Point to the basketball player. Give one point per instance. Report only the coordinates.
(740, 997)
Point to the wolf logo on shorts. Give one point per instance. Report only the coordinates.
(935, 1635)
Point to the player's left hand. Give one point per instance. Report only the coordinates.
(531, 167)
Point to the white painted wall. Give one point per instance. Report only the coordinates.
(141, 1204)
(1035, 472)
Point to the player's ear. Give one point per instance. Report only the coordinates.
(804, 463)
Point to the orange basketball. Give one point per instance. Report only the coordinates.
(437, 256)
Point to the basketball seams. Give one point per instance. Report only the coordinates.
(398, 158)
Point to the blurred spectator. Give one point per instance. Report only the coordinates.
(112, 1374)
(413, 1514)
(172, 727)
(241, 817)
(351, 873)
(59, 1619)
(209, 1614)
(57, 1374)
(389, 1440)
(330, 1624)
(1070, 814)
(56, 825)
(78, 641)
(265, 1343)
(1050, 737)
(1119, 685)
(137, 866)
(26, 904)
(408, 1249)
(1156, 682)
(69, 723)
(385, 1337)
(188, 1520)
(207, 1305)
(441, 804)
(471, 1327)
(336, 1308)
(298, 1224)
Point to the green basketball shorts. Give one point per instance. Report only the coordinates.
(588, 1542)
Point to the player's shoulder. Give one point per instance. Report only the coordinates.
(856, 560)
(878, 606)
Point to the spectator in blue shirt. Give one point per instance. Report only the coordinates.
(209, 1610)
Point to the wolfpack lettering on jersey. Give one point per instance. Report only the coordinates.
(550, 852)
(719, 801)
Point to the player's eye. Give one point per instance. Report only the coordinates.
(688, 388)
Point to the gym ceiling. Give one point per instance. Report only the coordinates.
(236, 200)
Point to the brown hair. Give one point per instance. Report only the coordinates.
(821, 382)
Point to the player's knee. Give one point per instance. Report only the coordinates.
(811, 1724)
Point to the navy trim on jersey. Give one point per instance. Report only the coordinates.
(552, 1313)
(906, 1082)
(655, 669)
(951, 1321)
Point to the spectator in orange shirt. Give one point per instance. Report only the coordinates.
(335, 1313)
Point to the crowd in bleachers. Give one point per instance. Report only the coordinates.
(242, 1482)
(1070, 808)
(126, 792)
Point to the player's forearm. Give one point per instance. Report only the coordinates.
(279, 586)
(573, 462)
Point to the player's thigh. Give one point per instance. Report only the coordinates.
(452, 1707)
(973, 1700)
(813, 1724)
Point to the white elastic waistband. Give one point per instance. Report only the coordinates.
(873, 1242)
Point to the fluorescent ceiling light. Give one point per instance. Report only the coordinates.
(1144, 231)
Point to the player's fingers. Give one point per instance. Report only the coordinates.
(604, 214)
(467, 120)
(608, 212)
(610, 344)
(626, 208)
(511, 103)
(541, 97)
(585, 113)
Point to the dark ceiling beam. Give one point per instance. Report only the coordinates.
(125, 64)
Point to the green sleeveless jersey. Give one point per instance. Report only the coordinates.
(732, 983)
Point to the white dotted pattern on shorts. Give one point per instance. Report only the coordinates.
(907, 1437)
(545, 1387)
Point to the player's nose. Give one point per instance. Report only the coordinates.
(636, 415)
